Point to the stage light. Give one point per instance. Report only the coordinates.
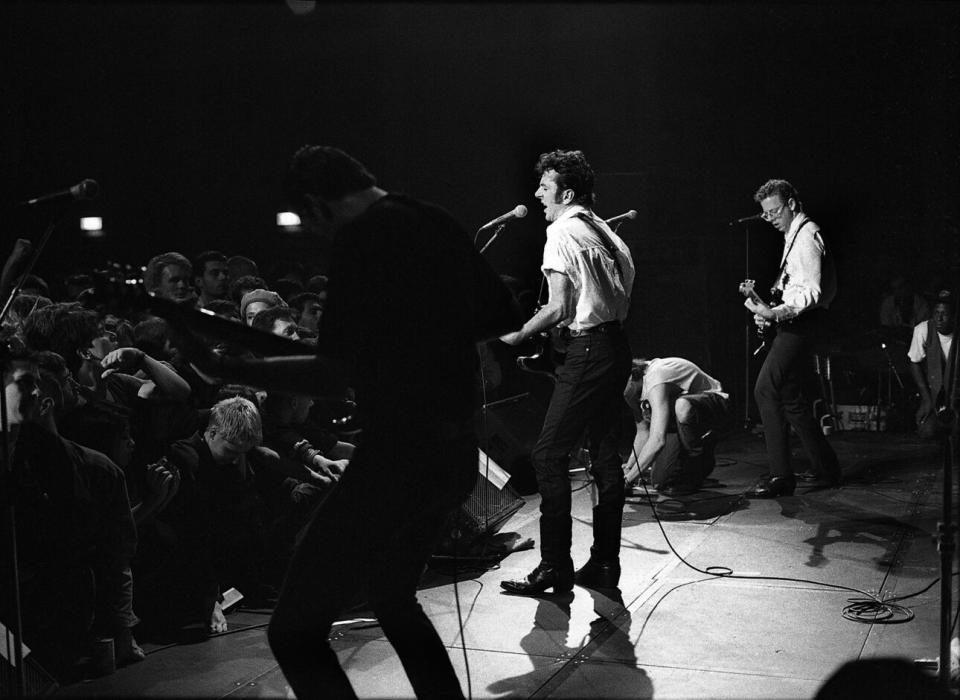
(92, 226)
(287, 219)
(302, 7)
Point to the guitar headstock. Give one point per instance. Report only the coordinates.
(747, 287)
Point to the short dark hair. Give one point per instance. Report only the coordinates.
(325, 172)
(223, 307)
(51, 366)
(318, 283)
(264, 320)
(573, 173)
(947, 298)
(154, 271)
(200, 262)
(150, 336)
(242, 285)
(780, 188)
(299, 301)
(239, 265)
(63, 328)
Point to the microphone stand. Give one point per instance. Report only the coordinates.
(746, 333)
(8, 477)
(946, 529)
(492, 238)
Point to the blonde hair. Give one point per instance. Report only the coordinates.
(237, 420)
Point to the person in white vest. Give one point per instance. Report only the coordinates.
(932, 364)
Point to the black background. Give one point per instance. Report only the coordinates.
(186, 114)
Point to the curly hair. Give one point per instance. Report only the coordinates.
(573, 173)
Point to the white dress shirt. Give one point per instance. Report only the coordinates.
(576, 250)
(809, 279)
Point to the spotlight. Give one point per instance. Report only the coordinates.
(287, 219)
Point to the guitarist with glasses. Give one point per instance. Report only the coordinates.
(807, 285)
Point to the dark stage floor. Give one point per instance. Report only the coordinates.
(772, 631)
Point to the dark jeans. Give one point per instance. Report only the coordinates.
(688, 456)
(779, 392)
(373, 534)
(588, 398)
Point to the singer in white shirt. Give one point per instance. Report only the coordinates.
(590, 274)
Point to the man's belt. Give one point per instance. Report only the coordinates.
(607, 327)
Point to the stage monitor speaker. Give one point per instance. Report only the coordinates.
(491, 503)
(509, 434)
(36, 681)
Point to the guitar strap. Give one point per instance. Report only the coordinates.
(783, 265)
(607, 243)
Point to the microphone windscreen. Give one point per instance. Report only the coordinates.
(88, 189)
(520, 211)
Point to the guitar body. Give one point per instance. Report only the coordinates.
(765, 333)
(546, 356)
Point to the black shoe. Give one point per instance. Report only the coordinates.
(598, 574)
(812, 478)
(540, 579)
(772, 487)
(678, 488)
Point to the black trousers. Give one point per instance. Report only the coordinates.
(588, 398)
(373, 535)
(780, 396)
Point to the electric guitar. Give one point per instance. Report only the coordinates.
(546, 357)
(766, 331)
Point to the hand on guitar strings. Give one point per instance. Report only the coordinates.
(761, 312)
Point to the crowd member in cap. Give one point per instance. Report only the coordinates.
(257, 300)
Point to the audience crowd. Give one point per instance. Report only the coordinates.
(143, 489)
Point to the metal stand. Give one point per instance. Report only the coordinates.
(747, 333)
(946, 532)
(492, 238)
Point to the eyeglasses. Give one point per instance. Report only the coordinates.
(771, 215)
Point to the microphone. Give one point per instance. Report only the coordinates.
(632, 214)
(744, 219)
(88, 189)
(518, 212)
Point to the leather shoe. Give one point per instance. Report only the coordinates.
(812, 478)
(540, 579)
(598, 574)
(772, 487)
